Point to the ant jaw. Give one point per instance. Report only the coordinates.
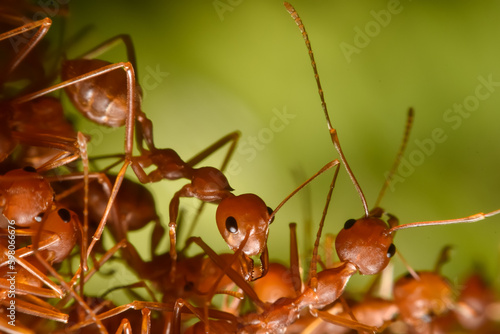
(250, 271)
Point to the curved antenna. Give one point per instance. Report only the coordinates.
(388, 178)
(321, 171)
(470, 219)
(333, 132)
(313, 276)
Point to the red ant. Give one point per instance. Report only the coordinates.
(367, 242)
(86, 76)
(303, 299)
(323, 289)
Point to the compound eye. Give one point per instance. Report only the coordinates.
(391, 251)
(348, 224)
(270, 211)
(64, 215)
(29, 169)
(188, 286)
(231, 224)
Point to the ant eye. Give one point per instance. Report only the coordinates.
(391, 251)
(348, 224)
(29, 169)
(65, 215)
(270, 211)
(231, 224)
(188, 286)
(39, 217)
(427, 317)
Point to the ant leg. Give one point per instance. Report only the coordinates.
(232, 138)
(82, 143)
(68, 146)
(125, 327)
(110, 43)
(109, 206)
(29, 289)
(43, 27)
(38, 311)
(140, 284)
(105, 257)
(230, 272)
(131, 95)
(129, 125)
(76, 296)
(7, 328)
(145, 128)
(38, 274)
(294, 260)
(146, 321)
(161, 307)
(344, 322)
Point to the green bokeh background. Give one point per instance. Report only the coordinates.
(229, 69)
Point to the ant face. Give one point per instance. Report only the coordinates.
(244, 217)
(366, 244)
(25, 196)
(63, 223)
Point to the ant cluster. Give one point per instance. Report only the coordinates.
(56, 204)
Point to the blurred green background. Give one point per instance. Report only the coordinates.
(231, 65)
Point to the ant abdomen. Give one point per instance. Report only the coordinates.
(103, 106)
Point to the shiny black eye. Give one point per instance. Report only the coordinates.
(348, 224)
(64, 215)
(29, 169)
(270, 211)
(188, 286)
(391, 251)
(231, 224)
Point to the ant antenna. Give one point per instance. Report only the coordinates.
(470, 219)
(333, 132)
(388, 178)
(313, 268)
(321, 171)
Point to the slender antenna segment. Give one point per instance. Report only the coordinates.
(388, 178)
(313, 276)
(470, 219)
(333, 132)
(321, 171)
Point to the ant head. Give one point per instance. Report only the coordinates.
(64, 224)
(420, 299)
(366, 244)
(244, 217)
(25, 195)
